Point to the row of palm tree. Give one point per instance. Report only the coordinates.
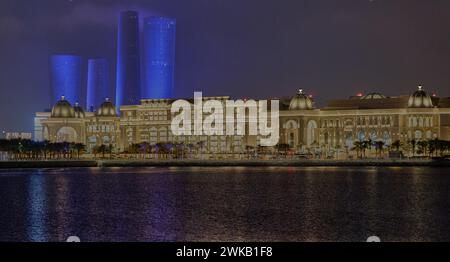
(26, 149)
(430, 148)
(103, 150)
(361, 146)
(164, 150)
(181, 150)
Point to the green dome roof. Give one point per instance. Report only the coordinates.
(420, 99)
(63, 109)
(107, 109)
(301, 102)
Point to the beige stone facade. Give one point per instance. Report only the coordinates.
(303, 127)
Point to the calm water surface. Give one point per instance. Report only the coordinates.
(225, 204)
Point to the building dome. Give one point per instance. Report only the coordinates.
(63, 109)
(79, 112)
(301, 102)
(420, 99)
(107, 109)
(373, 96)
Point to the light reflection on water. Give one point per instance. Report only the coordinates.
(225, 204)
(36, 206)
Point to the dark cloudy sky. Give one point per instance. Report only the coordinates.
(242, 48)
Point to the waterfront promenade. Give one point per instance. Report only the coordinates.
(187, 163)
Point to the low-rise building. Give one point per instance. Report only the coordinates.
(303, 127)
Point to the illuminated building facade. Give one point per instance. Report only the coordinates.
(128, 90)
(373, 117)
(67, 123)
(303, 128)
(97, 83)
(18, 135)
(159, 57)
(65, 71)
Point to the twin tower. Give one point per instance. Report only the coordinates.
(146, 72)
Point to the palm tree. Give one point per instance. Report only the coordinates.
(359, 147)
(413, 144)
(433, 146)
(134, 149)
(366, 144)
(397, 144)
(79, 147)
(379, 145)
(144, 148)
(190, 147)
(170, 149)
(110, 149)
(422, 147)
(201, 146)
(45, 148)
(282, 148)
(102, 149)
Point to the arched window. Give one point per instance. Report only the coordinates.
(373, 135)
(311, 132)
(414, 121)
(387, 138)
(106, 140)
(421, 121)
(291, 124)
(66, 134)
(349, 140)
(291, 141)
(418, 135)
(361, 136)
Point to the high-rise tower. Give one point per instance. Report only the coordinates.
(128, 60)
(97, 83)
(159, 57)
(65, 72)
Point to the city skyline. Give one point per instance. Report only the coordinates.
(224, 128)
(339, 51)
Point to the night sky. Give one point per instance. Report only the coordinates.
(241, 48)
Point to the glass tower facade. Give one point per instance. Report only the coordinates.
(159, 57)
(97, 83)
(65, 78)
(128, 60)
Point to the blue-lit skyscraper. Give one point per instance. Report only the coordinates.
(159, 57)
(65, 71)
(128, 60)
(97, 83)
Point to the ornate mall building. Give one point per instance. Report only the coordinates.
(303, 127)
